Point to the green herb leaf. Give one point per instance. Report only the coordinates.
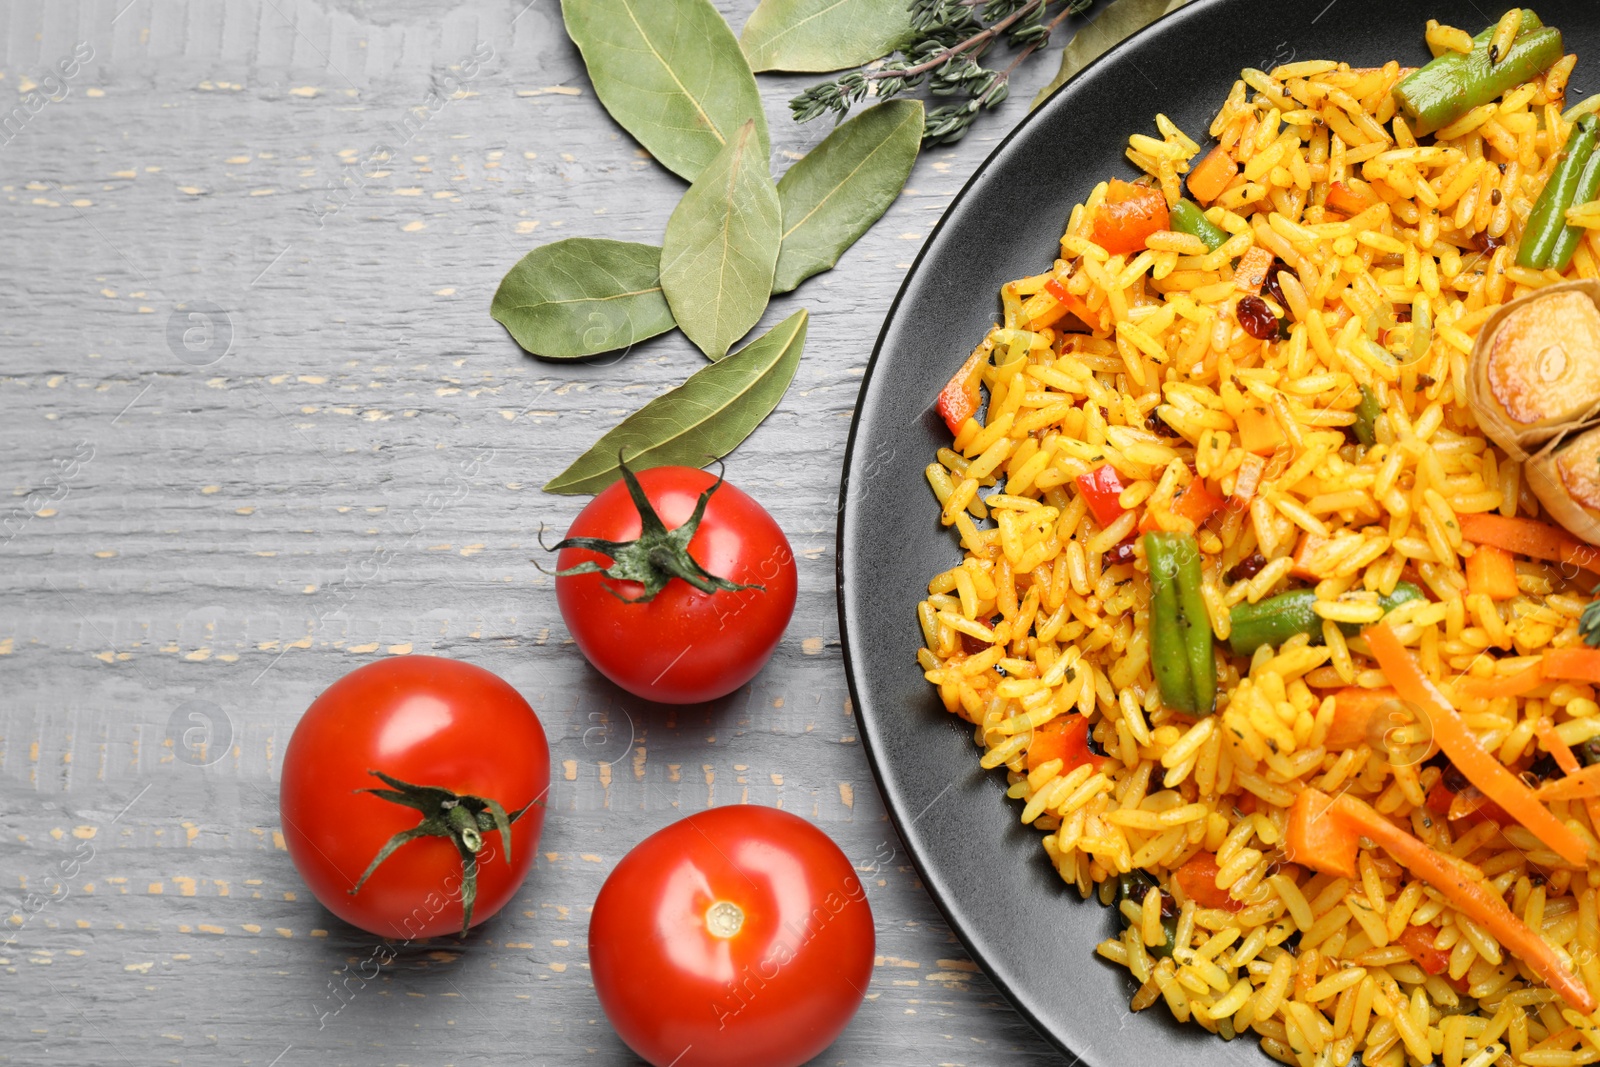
(671, 73)
(837, 191)
(1118, 20)
(703, 419)
(721, 247)
(583, 296)
(818, 35)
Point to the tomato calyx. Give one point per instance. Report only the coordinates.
(657, 556)
(462, 818)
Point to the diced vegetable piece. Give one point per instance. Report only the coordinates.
(1258, 430)
(1356, 712)
(1065, 738)
(1100, 489)
(1418, 940)
(1186, 218)
(1547, 223)
(1059, 304)
(1197, 877)
(958, 400)
(1211, 176)
(1309, 545)
(1351, 196)
(1480, 766)
(1180, 627)
(1453, 84)
(1529, 537)
(1194, 502)
(1317, 840)
(1129, 214)
(1476, 899)
(1251, 273)
(1493, 572)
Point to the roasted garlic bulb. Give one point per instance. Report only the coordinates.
(1534, 384)
(1535, 371)
(1566, 479)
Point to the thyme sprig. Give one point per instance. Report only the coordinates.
(952, 37)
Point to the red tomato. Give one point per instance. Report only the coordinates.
(738, 937)
(683, 646)
(428, 722)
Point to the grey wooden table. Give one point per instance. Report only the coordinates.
(258, 429)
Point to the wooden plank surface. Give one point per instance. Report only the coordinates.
(259, 429)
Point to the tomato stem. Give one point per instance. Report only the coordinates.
(657, 556)
(462, 818)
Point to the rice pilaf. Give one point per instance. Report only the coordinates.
(1329, 447)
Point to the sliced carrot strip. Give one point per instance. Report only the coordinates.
(1529, 537)
(1568, 762)
(1572, 664)
(1479, 765)
(1577, 785)
(1467, 892)
(1503, 685)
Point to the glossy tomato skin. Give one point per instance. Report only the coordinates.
(427, 721)
(775, 993)
(684, 646)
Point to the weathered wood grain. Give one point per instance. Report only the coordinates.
(260, 429)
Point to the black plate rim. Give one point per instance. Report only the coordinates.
(994, 969)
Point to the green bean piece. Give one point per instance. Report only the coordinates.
(1444, 90)
(1196, 623)
(1276, 619)
(1547, 222)
(1186, 217)
(1367, 413)
(1167, 654)
(1180, 627)
(1588, 187)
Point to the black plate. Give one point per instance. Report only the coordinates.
(987, 872)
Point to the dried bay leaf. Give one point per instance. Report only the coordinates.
(720, 250)
(671, 73)
(583, 296)
(1120, 19)
(834, 194)
(821, 35)
(705, 418)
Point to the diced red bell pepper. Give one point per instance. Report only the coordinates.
(1440, 798)
(1194, 502)
(1129, 214)
(1065, 738)
(1066, 303)
(1468, 806)
(1418, 940)
(1100, 488)
(958, 400)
